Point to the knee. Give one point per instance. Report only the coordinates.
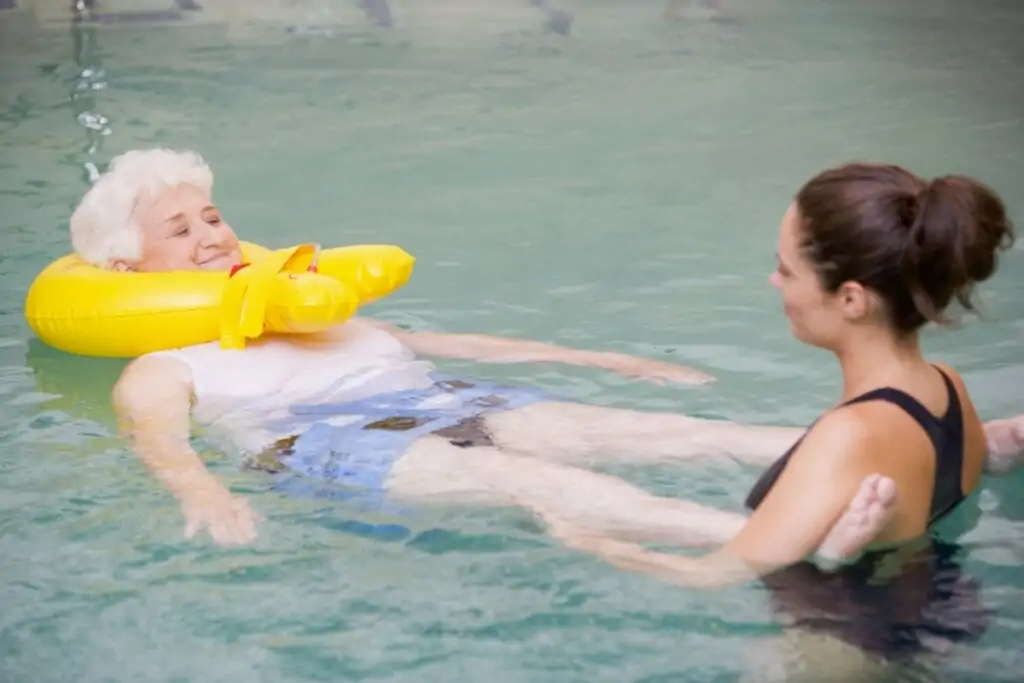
(541, 427)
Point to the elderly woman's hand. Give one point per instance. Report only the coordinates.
(649, 369)
(228, 518)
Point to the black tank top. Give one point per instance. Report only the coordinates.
(946, 434)
(888, 618)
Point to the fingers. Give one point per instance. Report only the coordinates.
(237, 527)
(677, 376)
(229, 526)
(232, 531)
(660, 373)
(245, 521)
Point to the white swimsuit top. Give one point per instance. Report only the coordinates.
(237, 393)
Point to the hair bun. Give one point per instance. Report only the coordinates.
(919, 244)
(961, 225)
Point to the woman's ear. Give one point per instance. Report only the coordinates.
(855, 300)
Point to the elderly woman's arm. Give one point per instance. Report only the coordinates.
(490, 349)
(153, 399)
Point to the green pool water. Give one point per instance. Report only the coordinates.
(619, 188)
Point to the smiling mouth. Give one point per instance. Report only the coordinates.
(214, 260)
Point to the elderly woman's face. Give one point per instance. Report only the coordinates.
(183, 230)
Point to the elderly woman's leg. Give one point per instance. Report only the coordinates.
(434, 469)
(1005, 444)
(576, 432)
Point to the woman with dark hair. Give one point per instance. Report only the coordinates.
(867, 255)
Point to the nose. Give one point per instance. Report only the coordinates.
(775, 280)
(212, 237)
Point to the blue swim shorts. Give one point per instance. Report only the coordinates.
(361, 453)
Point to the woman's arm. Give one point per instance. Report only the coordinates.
(794, 519)
(488, 349)
(153, 399)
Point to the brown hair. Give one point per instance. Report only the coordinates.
(917, 244)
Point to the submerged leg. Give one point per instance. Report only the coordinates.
(435, 469)
(575, 432)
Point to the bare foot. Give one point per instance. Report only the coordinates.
(1005, 444)
(867, 514)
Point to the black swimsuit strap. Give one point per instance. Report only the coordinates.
(945, 432)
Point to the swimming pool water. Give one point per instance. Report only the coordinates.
(619, 188)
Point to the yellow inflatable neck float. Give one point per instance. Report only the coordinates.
(82, 309)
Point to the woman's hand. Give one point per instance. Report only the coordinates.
(153, 401)
(228, 518)
(650, 370)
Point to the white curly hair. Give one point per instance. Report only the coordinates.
(103, 227)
